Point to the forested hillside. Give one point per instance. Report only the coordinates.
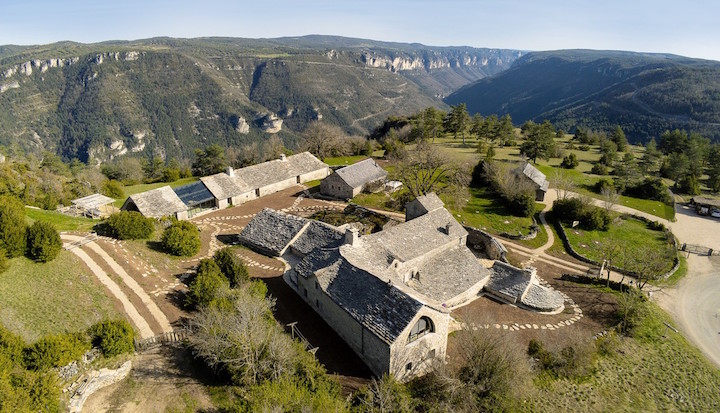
(645, 94)
(166, 97)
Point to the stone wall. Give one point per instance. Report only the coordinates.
(669, 235)
(534, 230)
(480, 240)
(424, 353)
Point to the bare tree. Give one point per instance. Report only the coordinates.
(648, 263)
(322, 140)
(563, 184)
(423, 170)
(273, 148)
(611, 252)
(610, 197)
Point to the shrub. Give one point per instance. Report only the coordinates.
(181, 238)
(650, 188)
(4, 262)
(231, 266)
(522, 204)
(113, 189)
(599, 169)
(584, 148)
(130, 225)
(689, 184)
(594, 218)
(570, 161)
(170, 174)
(203, 289)
(568, 210)
(13, 233)
(113, 337)
(603, 184)
(43, 241)
(55, 351)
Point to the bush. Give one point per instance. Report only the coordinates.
(130, 225)
(584, 148)
(43, 241)
(603, 184)
(181, 238)
(522, 204)
(599, 169)
(171, 174)
(568, 210)
(570, 162)
(13, 233)
(113, 337)
(594, 218)
(113, 189)
(55, 351)
(4, 262)
(231, 266)
(689, 184)
(203, 289)
(650, 188)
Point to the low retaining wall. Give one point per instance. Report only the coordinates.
(534, 230)
(482, 241)
(671, 238)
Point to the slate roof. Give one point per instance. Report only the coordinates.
(271, 231)
(543, 299)
(92, 201)
(318, 235)
(707, 201)
(270, 172)
(157, 203)
(536, 176)
(224, 186)
(360, 173)
(430, 201)
(508, 280)
(377, 305)
(194, 193)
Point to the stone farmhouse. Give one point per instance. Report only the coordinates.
(536, 178)
(389, 294)
(351, 180)
(233, 187)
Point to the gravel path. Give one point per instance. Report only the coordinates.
(157, 314)
(132, 312)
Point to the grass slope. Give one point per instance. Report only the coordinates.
(39, 299)
(62, 222)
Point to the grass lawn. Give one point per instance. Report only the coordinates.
(61, 221)
(62, 295)
(376, 201)
(134, 189)
(487, 212)
(630, 233)
(344, 160)
(650, 373)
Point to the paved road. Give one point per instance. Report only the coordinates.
(695, 304)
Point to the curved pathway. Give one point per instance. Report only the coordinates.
(154, 310)
(132, 312)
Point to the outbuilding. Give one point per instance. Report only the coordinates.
(347, 182)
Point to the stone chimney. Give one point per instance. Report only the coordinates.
(230, 171)
(351, 236)
(283, 157)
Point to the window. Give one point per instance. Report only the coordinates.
(408, 367)
(316, 285)
(229, 201)
(423, 326)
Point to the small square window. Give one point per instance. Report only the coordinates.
(408, 367)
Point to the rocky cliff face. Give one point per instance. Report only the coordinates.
(438, 60)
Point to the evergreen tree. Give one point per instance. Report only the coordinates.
(539, 142)
(618, 136)
(43, 241)
(13, 235)
(457, 121)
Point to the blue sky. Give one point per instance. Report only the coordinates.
(688, 28)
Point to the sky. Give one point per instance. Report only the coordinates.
(689, 28)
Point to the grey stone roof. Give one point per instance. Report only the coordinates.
(224, 186)
(358, 174)
(377, 305)
(543, 298)
(508, 280)
(536, 176)
(318, 235)
(449, 274)
(430, 201)
(157, 203)
(707, 201)
(419, 236)
(270, 172)
(92, 201)
(271, 231)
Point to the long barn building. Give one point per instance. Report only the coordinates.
(233, 187)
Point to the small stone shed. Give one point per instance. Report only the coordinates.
(536, 178)
(347, 182)
(157, 203)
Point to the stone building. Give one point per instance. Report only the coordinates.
(389, 294)
(232, 187)
(347, 182)
(536, 178)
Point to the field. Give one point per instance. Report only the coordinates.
(62, 295)
(630, 233)
(62, 222)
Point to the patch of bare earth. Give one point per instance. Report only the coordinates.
(162, 379)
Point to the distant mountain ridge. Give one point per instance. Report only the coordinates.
(166, 96)
(644, 93)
